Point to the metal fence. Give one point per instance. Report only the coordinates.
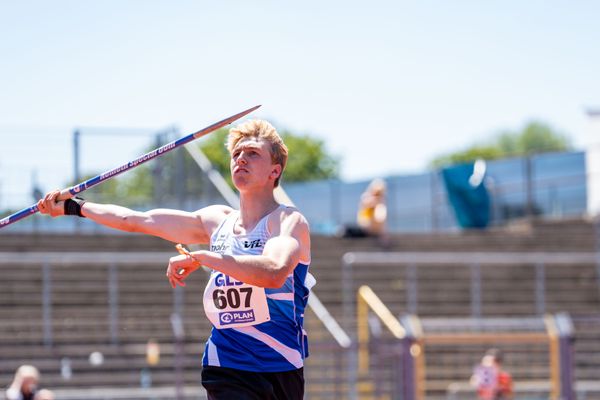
(107, 314)
(473, 262)
(548, 185)
(403, 267)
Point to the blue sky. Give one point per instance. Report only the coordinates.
(388, 85)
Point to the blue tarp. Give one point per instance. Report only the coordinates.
(468, 197)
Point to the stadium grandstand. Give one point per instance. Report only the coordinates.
(92, 310)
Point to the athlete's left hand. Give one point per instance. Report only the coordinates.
(180, 267)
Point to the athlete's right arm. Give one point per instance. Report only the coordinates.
(173, 225)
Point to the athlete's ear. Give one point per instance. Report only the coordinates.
(276, 171)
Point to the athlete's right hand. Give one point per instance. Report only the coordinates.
(180, 267)
(49, 205)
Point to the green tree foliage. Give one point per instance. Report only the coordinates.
(161, 179)
(535, 137)
(308, 159)
(214, 149)
(133, 188)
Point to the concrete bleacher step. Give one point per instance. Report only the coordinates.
(80, 298)
(125, 378)
(90, 242)
(75, 349)
(190, 391)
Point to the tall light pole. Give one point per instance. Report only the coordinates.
(77, 137)
(592, 162)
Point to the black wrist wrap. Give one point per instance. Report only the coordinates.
(73, 206)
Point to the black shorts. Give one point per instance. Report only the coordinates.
(227, 383)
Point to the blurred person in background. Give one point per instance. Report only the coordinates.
(491, 380)
(24, 385)
(371, 216)
(372, 210)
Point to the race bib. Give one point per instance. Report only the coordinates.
(229, 303)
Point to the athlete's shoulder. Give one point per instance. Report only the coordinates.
(289, 221)
(288, 215)
(213, 216)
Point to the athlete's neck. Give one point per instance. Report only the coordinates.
(253, 207)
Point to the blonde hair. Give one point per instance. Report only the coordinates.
(377, 186)
(26, 376)
(256, 128)
(28, 371)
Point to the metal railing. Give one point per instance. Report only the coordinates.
(111, 262)
(419, 203)
(556, 334)
(412, 338)
(553, 186)
(474, 261)
(333, 380)
(401, 347)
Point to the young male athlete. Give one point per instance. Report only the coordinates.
(259, 256)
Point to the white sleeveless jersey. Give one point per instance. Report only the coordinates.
(254, 329)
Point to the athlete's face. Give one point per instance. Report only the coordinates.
(29, 384)
(251, 164)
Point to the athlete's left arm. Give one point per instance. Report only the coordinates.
(289, 243)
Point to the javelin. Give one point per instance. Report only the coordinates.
(72, 191)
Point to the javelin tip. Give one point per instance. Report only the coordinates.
(243, 113)
(255, 107)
